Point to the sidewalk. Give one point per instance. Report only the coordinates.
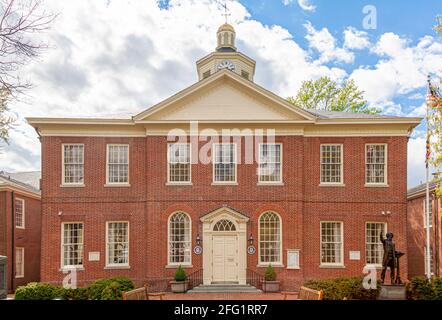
(227, 296)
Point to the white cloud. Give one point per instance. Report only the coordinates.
(355, 39)
(306, 5)
(324, 42)
(418, 111)
(416, 161)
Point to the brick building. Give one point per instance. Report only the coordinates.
(417, 231)
(20, 226)
(309, 190)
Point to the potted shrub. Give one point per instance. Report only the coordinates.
(179, 285)
(270, 284)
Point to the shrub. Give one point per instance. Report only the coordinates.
(420, 288)
(95, 290)
(180, 274)
(112, 292)
(344, 288)
(270, 274)
(74, 294)
(437, 289)
(37, 291)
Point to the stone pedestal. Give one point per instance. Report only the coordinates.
(393, 292)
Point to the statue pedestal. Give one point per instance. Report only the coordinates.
(393, 292)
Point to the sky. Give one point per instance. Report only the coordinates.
(119, 57)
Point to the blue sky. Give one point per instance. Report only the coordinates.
(136, 53)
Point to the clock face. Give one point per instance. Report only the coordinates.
(226, 64)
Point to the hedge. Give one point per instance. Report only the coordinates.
(344, 288)
(419, 288)
(102, 289)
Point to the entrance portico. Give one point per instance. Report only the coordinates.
(224, 247)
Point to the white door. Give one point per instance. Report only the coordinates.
(225, 258)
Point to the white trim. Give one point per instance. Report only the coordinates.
(365, 241)
(182, 183)
(23, 226)
(298, 266)
(332, 184)
(117, 265)
(335, 264)
(235, 149)
(380, 184)
(275, 263)
(69, 267)
(72, 184)
(281, 161)
(177, 264)
(425, 212)
(117, 184)
(22, 271)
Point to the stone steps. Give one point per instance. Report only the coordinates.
(224, 288)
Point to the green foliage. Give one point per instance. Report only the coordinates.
(180, 274)
(6, 120)
(344, 288)
(37, 291)
(74, 294)
(270, 274)
(438, 26)
(326, 94)
(96, 289)
(420, 288)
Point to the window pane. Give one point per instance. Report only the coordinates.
(269, 163)
(270, 238)
(375, 164)
(331, 243)
(331, 156)
(72, 244)
(19, 213)
(225, 166)
(179, 162)
(118, 243)
(179, 238)
(374, 249)
(73, 159)
(118, 163)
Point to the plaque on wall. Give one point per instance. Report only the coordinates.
(197, 250)
(292, 259)
(355, 255)
(251, 250)
(94, 256)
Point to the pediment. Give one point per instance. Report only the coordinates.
(224, 212)
(226, 97)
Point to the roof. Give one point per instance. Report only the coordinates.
(420, 189)
(226, 26)
(324, 114)
(22, 181)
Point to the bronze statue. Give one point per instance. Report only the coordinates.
(389, 259)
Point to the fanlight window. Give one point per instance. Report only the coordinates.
(224, 225)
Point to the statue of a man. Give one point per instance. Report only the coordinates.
(389, 259)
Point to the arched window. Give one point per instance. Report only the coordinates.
(179, 238)
(224, 225)
(269, 238)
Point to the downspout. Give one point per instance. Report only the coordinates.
(12, 240)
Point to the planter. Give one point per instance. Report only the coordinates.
(270, 286)
(179, 286)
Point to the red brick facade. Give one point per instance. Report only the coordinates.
(28, 238)
(147, 204)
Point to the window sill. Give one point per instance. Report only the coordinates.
(373, 185)
(80, 185)
(66, 269)
(331, 266)
(270, 184)
(276, 265)
(375, 266)
(175, 266)
(19, 277)
(21, 228)
(224, 184)
(333, 185)
(293, 268)
(178, 184)
(125, 267)
(117, 185)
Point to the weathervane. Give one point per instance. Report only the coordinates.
(225, 14)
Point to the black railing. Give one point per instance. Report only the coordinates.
(161, 284)
(195, 278)
(254, 279)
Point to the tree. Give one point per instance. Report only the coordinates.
(326, 94)
(20, 23)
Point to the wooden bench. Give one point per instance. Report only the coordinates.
(142, 294)
(305, 294)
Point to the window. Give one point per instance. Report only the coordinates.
(19, 262)
(224, 225)
(375, 164)
(72, 245)
(269, 238)
(206, 74)
(117, 164)
(331, 243)
(20, 213)
(73, 164)
(179, 165)
(270, 163)
(331, 164)
(117, 244)
(224, 162)
(245, 74)
(179, 239)
(374, 249)
(430, 211)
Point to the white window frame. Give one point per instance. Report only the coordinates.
(214, 146)
(117, 265)
(341, 183)
(280, 163)
(63, 180)
(190, 165)
(67, 267)
(176, 264)
(424, 202)
(331, 264)
(373, 184)
(20, 273)
(274, 263)
(22, 213)
(108, 146)
(376, 265)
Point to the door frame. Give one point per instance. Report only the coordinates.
(240, 222)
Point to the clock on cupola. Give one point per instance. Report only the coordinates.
(226, 57)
